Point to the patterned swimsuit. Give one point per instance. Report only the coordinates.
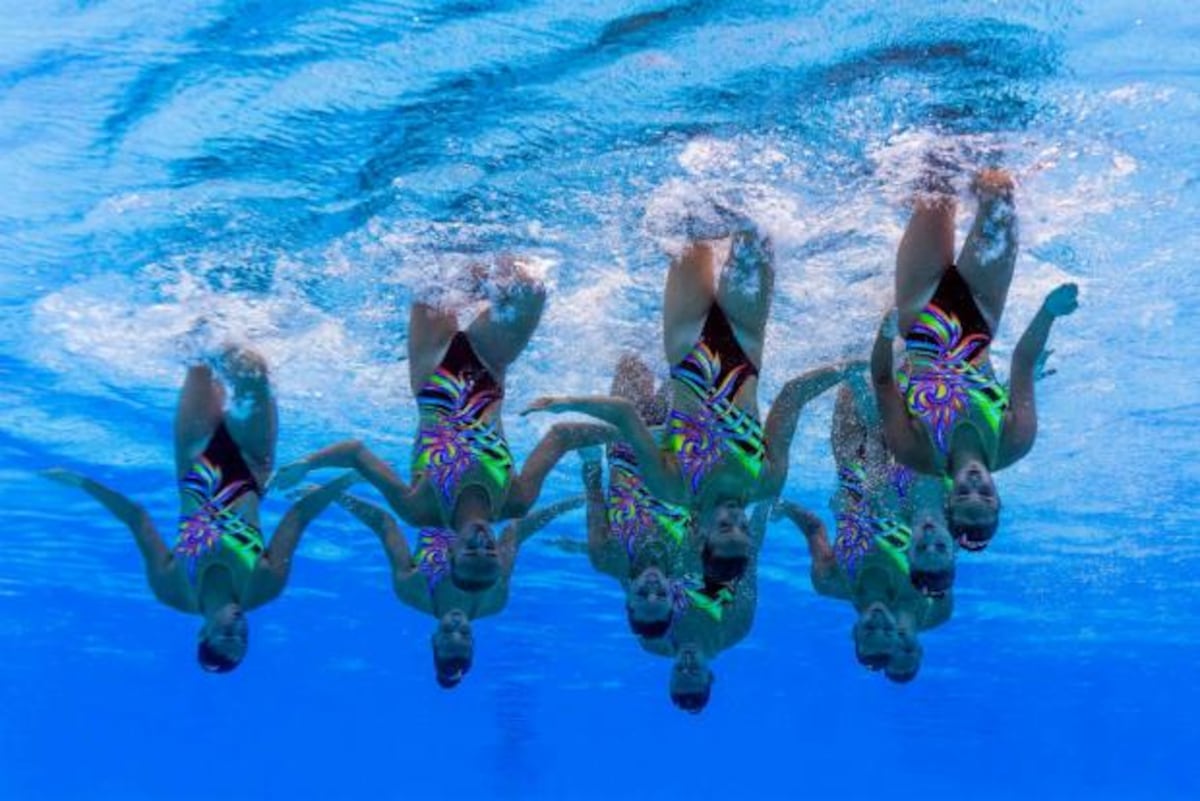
(946, 378)
(861, 527)
(211, 487)
(712, 373)
(456, 443)
(432, 557)
(634, 513)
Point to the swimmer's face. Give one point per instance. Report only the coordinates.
(973, 507)
(475, 557)
(691, 680)
(224, 639)
(453, 647)
(726, 545)
(906, 657)
(648, 603)
(875, 637)
(931, 556)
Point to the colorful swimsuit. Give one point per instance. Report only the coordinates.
(713, 372)
(861, 529)
(633, 512)
(432, 557)
(456, 443)
(689, 592)
(946, 378)
(215, 482)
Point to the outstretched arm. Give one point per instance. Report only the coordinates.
(780, 427)
(272, 572)
(1020, 423)
(561, 439)
(352, 454)
(531, 524)
(827, 576)
(904, 439)
(156, 555)
(407, 582)
(660, 472)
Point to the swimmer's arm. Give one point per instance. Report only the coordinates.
(827, 577)
(780, 427)
(1020, 421)
(271, 574)
(531, 524)
(660, 472)
(158, 558)
(407, 582)
(561, 439)
(599, 533)
(352, 454)
(904, 438)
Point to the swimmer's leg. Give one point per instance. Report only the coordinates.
(926, 250)
(430, 329)
(690, 293)
(989, 253)
(502, 331)
(200, 410)
(252, 419)
(746, 287)
(634, 381)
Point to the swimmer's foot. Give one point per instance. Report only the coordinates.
(198, 343)
(992, 184)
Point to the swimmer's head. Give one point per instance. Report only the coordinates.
(725, 542)
(224, 639)
(648, 603)
(875, 637)
(931, 556)
(691, 680)
(474, 557)
(973, 506)
(906, 658)
(453, 648)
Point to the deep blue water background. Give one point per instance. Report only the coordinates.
(297, 172)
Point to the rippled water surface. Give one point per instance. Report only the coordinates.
(296, 173)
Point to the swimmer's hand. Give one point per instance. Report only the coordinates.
(64, 476)
(889, 326)
(549, 403)
(289, 476)
(1062, 301)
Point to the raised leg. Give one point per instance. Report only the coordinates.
(634, 381)
(502, 331)
(201, 407)
(926, 250)
(252, 419)
(989, 253)
(691, 291)
(746, 287)
(430, 330)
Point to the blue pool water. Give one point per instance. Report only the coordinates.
(297, 172)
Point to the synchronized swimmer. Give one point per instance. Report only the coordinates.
(694, 471)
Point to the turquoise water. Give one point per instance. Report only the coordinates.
(297, 173)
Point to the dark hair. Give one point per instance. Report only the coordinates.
(871, 661)
(450, 671)
(902, 677)
(692, 702)
(722, 569)
(933, 583)
(213, 661)
(650, 629)
(972, 536)
(471, 583)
